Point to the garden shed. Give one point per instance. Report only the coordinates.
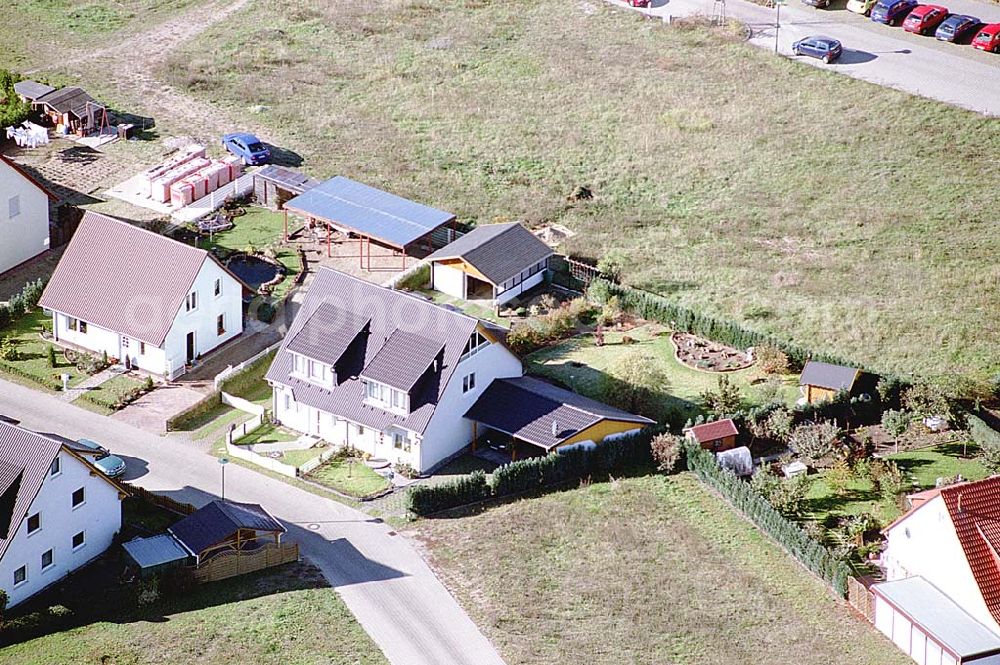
(274, 185)
(370, 215)
(73, 109)
(715, 436)
(156, 554)
(821, 381)
(494, 262)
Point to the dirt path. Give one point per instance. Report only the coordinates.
(130, 67)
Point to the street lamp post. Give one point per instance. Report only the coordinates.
(777, 22)
(223, 461)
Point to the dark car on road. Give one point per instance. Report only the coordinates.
(957, 27)
(818, 4)
(826, 49)
(892, 12)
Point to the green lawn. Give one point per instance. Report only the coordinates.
(287, 615)
(354, 479)
(104, 397)
(269, 434)
(259, 228)
(33, 367)
(641, 570)
(923, 467)
(577, 362)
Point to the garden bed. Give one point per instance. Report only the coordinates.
(33, 361)
(113, 395)
(707, 356)
(353, 478)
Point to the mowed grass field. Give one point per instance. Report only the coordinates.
(646, 570)
(853, 218)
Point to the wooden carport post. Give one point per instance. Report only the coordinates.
(329, 242)
(285, 239)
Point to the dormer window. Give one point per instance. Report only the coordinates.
(386, 397)
(311, 370)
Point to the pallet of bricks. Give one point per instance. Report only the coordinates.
(188, 176)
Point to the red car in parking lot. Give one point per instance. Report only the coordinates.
(637, 3)
(988, 39)
(924, 19)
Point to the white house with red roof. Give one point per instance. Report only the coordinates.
(140, 296)
(941, 600)
(24, 216)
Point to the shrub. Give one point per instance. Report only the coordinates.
(814, 442)
(266, 312)
(771, 359)
(637, 383)
(147, 385)
(786, 495)
(895, 423)
(725, 401)
(52, 356)
(666, 450)
(429, 499)
(926, 400)
(8, 350)
(147, 592)
(405, 470)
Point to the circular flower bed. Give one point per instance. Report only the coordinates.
(708, 356)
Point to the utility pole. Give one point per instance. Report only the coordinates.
(223, 461)
(777, 21)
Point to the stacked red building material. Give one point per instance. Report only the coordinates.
(183, 156)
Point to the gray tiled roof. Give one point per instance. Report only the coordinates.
(939, 616)
(123, 278)
(25, 457)
(219, 520)
(498, 251)
(526, 407)
(369, 211)
(403, 359)
(327, 333)
(389, 311)
(825, 375)
(32, 89)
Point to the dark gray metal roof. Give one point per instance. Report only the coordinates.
(526, 408)
(939, 616)
(32, 89)
(825, 375)
(498, 251)
(369, 211)
(70, 99)
(327, 333)
(218, 521)
(286, 178)
(403, 359)
(389, 311)
(155, 550)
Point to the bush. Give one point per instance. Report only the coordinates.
(418, 279)
(52, 356)
(814, 442)
(787, 533)
(724, 402)
(771, 359)
(636, 384)
(430, 499)
(266, 312)
(8, 350)
(666, 451)
(786, 495)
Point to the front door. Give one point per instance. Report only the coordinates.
(190, 347)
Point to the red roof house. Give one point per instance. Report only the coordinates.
(715, 436)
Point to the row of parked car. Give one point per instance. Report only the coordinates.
(926, 20)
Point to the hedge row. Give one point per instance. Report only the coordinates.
(19, 370)
(790, 535)
(534, 473)
(981, 433)
(191, 414)
(247, 378)
(655, 307)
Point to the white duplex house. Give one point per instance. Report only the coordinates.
(57, 511)
(145, 299)
(385, 372)
(24, 216)
(940, 602)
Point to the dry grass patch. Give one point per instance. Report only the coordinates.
(644, 570)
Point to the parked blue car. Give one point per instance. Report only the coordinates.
(957, 27)
(892, 11)
(826, 49)
(247, 147)
(108, 464)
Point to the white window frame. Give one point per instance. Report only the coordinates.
(22, 569)
(27, 524)
(469, 382)
(220, 324)
(83, 543)
(73, 497)
(192, 301)
(52, 559)
(55, 468)
(217, 289)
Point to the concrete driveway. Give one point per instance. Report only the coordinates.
(151, 411)
(888, 56)
(384, 581)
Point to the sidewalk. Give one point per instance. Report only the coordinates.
(88, 384)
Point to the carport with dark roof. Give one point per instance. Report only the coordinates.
(371, 214)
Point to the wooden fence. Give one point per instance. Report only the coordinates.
(160, 500)
(582, 272)
(231, 564)
(861, 598)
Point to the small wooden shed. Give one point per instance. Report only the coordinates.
(821, 381)
(715, 436)
(226, 526)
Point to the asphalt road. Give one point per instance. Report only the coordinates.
(889, 56)
(384, 581)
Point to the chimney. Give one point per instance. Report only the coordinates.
(555, 428)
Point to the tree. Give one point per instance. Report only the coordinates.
(895, 424)
(611, 264)
(814, 442)
(926, 400)
(12, 110)
(666, 451)
(52, 356)
(771, 359)
(636, 384)
(724, 402)
(989, 455)
(786, 495)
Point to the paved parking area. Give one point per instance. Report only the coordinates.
(151, 411)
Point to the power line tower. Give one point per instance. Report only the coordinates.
(719, 12)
